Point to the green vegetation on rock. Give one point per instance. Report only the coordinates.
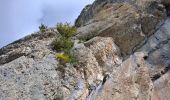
(64, 44)
(42, 28)
(66, 30)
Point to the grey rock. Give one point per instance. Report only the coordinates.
(158, 46)
(27, 79)
(33, 46)
(161, 88)
(138, 29)
(128, 22)
(131, 81)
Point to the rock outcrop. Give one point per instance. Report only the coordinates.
(33, 46)
(127, 59)
(131, 81)
(161, 88)
(34, 75)
(128, 22)
(158, 47)
(97, 58)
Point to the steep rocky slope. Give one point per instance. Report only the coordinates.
(128, 22)
(127, 57)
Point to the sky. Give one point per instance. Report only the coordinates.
(19, 18)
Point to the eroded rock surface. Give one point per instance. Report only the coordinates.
(128, 22)
(131, 81)
(97, 57)
(35, 46)
(28, 77)
(161, 88)
(128, 60)
(158, 48)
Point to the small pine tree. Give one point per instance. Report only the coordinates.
(42, 27)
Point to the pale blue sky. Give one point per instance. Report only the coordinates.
(19, 18)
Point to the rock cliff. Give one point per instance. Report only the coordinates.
(127, 57)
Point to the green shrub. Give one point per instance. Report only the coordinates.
(62, 44)
(63, 60)
(66, 58)
(63, 57)
(66, 30)
(42, 28)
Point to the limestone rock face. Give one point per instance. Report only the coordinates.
(34, 46)
(34, 74)
(105, 51)
(128, 22)
(158, 47)
(27, 69)
(26, 78)
(131, 81)
(97, 57)
(161, 88)
(128, 57)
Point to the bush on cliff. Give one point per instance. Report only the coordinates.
(66, 30)
(42, 28)
(64, 43)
